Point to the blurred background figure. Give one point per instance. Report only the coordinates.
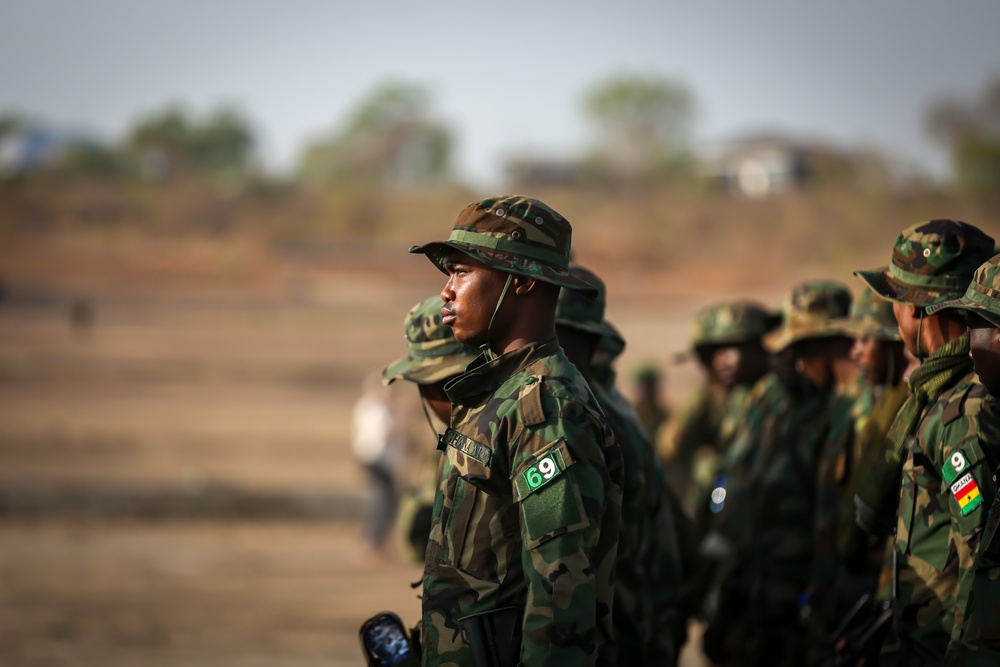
(378, 443)
(652, 601)
(879, 354)
(648, 402)
(433, 358)
(769, 520)
(726, 342)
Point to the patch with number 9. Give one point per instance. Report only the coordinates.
(543, 472)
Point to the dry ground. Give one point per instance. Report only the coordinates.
(185, 384)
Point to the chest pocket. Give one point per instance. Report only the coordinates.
(924, 510)
(550, 499)
(468, 507)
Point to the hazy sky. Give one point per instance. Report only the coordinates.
(508, 76)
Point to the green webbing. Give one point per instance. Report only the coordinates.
(485, 347)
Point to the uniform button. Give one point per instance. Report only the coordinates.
(539, 221)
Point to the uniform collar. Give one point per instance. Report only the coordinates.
(485, 376)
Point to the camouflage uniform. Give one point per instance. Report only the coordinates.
(432, 355)
(770, 508)
(651, 412)
(977, 641)
(529, 498)
(862, 556)
(693, 442)
(650, 625)
(939, 438)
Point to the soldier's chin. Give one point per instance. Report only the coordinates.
(475, 339)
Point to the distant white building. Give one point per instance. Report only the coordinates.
(758, 166)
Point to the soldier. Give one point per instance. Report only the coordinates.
(526, 518)
(978, 640)
(725, 340)
(648, 402)
(879, 353)
(433, 357)
(772, 500)
(935, 440)
(650, 625)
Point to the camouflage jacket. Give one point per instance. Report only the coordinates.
(649, 614)
(526, 513)
(979, 637)
(831, 484)
(944, 500)
(713, 470)
(875, 410)
(768, 522)
(784, 497)
(694, 428)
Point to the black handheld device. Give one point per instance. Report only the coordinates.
(385, 643)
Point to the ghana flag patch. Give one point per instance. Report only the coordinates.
(966, 492)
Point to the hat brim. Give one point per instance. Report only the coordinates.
(857, 329)
(501, 261)
(964, 303)
(891, 289)
(422, 372)
(776, 341)
(602, 329)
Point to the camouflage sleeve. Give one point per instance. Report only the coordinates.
(969, 454)
(560, 478)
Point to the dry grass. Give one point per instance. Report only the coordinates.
(230, 334)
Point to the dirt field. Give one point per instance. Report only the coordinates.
(176, 483)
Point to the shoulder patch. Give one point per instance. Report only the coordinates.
(954, 466)
(530, 402)
(966, 492)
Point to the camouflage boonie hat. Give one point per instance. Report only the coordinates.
(515, 234)
(983, 295)
(871, 315)
(645, 372)
(810, 311)
(433, 352)
(729, 323)
(578, 312)
(932, 262)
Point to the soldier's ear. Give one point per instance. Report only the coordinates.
(524, 285)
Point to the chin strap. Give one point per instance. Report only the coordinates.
(920, 326)
(430, 422)
(485, 347)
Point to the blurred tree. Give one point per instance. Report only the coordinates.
(644, 125)
(168, 141)
(391, 138)
(11, 121)
(223, 143)
(970, 129)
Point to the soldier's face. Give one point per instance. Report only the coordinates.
(908, 318)
(470, 297)
(870, 356)
(740, 364)
(984, 339)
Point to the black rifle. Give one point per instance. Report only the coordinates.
(494, 636)
(861, 633)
